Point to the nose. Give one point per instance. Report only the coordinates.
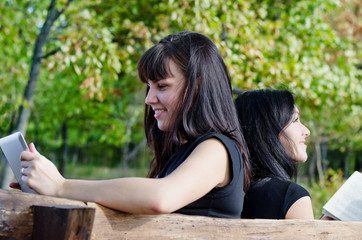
(306, 131)
(151, 97)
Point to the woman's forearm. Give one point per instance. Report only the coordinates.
(134, 195)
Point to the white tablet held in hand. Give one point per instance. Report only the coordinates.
(11, 148)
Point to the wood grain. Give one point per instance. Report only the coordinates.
(16, 222)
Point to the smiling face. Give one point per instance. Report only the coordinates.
(296, 134)
(165, 95)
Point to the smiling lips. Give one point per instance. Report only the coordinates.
(303, 143)
(158, 112)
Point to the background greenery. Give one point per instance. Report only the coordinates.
(86, 111)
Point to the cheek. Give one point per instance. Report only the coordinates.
(288, 145)
(176, 100)
(284, 138)
(285, 143)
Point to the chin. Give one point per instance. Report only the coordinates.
(302, 159)
(162, 127)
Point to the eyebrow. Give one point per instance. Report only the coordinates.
(297, 113)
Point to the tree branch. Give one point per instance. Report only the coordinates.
(50, 53)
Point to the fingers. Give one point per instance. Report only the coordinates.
(25, 171)
(324, 217)
(31, 154)
(32, 148)
(25, 179)
(25, 164)
(39, 173)
(27, 156)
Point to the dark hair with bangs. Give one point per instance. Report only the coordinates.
(207, 105)
(263, 114)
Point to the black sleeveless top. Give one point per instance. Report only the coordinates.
(221, 202)
(271, 198)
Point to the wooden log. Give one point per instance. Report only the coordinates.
(62, 222)
(16, 217)
(110, 224)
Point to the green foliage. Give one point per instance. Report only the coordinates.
(90, 82)
(320, 195)
(17, 35)
(79, 171)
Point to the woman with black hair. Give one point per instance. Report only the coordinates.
(276, 140)
(200, 163)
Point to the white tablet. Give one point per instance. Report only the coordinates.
(11, 148)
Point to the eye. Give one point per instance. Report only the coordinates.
(161, 86)
(296, 119)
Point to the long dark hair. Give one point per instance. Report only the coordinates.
(263, 114)
(207, 105)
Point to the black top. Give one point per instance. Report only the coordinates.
(221, 202)
(271, 198)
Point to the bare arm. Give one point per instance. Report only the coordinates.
(301, 209)
(205, 168)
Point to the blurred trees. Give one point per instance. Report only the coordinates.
(285, 44)
(88, 98)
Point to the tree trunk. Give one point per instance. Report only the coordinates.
(25, 110)
(311, 168)
(7, 175)
(319, 162)
(64, 154)
(346, 163)
(126, 147)
(125, 160)
(324, 153)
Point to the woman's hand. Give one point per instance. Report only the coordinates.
(325, 217)
(39, 173)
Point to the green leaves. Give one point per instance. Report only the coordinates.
(91, 80)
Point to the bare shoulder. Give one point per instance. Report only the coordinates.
(301, 209)
(213, 154)
(211, 146)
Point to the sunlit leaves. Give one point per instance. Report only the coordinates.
(91, 81)
(16, 41)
